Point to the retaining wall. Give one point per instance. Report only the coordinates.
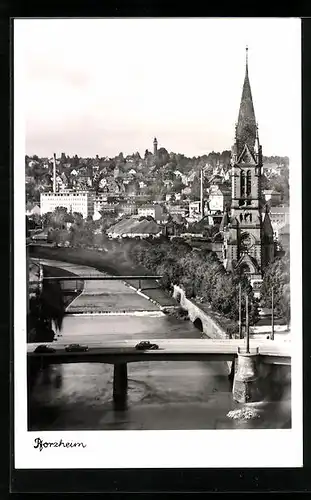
(210, 327)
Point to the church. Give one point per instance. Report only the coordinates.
(247, 231)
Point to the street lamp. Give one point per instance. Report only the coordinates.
(247, 323)
(272, 314)
(240, 312)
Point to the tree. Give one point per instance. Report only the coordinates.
(46, 306)
(56, 219)
(195, 189)
(277, 277)
(177, 186)
(162, 157)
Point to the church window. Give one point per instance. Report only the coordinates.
(248, 186)
(242, 184)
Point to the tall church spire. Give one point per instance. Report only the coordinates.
(246, 129)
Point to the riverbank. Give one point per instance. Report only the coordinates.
(114, 262)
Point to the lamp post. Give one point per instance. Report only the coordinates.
(247, 323)
(240, 311)
(272, 314)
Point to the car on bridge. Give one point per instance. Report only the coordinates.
(76, 348)
(146, 345)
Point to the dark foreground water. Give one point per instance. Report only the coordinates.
(161, 395)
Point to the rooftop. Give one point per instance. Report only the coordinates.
(135, 226)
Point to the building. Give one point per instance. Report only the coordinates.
(273, 198)
(173, 197)
(279, 217)
(126, 208)
(248, 234)
(284, 237)
(177, 210)
(186, 191)
(155, 146)
(132, 227)
(219, 198)
(32, 209)
(195, 210)
(75, 201)
(99, 201)
(155, 211)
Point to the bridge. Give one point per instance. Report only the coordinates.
(102, 277)
(98, 292)
(121, 352)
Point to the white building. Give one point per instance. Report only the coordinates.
(32, 209)
(219, 198)
(74, 201)
(194, 209)
(177, 196)
(155, 211)
(272, 197)
(279, 217)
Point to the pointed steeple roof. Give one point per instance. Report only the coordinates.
(225, 220)
(246, 129)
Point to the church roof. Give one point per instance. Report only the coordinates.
(246, 129)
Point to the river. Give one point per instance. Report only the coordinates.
(161, 395)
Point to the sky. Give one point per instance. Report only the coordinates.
(102, 86)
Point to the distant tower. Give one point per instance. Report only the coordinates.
(248, 234)
(155, 147)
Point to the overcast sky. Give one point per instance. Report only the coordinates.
(101, 86)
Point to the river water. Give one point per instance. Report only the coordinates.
(161, 395)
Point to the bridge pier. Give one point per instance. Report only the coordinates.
(120, 384)
(246, 383)
(232, 365)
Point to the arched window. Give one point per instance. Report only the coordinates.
(248, 186)
(242, 182)
(246, 242)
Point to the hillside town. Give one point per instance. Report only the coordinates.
(161, 193)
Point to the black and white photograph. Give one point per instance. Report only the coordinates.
(157, 223)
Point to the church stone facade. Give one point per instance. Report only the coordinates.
(247, 231)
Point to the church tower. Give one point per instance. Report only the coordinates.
(155, 146)
(248, 234)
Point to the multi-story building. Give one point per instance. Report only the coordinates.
(279, 217)
(219, 198)
(155, 211)
(284, 237)
(273, 198)
(195, 212)
(177, 210)
(126, 208)
(74, 201)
